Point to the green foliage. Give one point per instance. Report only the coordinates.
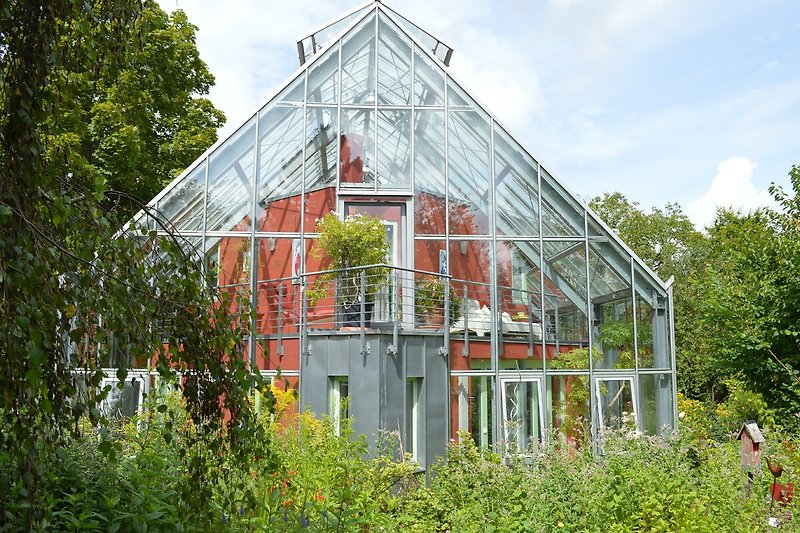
(357, 241)
(429, 296)
(638, 484)
(93, 94)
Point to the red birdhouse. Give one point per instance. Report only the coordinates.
(752, 439)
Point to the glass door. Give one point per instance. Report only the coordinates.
(522, 414)
(617, 403)
(393, 215)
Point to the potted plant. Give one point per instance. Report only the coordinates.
(429, 302)
(344, 246)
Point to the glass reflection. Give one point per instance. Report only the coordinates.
(394, 65)
(469, 184)
(230, 182)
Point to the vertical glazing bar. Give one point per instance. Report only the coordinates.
(465, 314)
(530, 325)
(589, 326)
(495, 324)
(635, 340)
(447, 316)
(363, 295)
(304, 351)
(396, 328)
(338, 119)
(254, 250)
(672, 349)
(376, 120)
(542, 297)
(280, 320)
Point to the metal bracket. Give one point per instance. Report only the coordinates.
(391, 349)
(443, 351)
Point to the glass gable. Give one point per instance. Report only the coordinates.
(374, 118)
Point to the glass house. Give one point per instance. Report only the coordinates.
(556, 329)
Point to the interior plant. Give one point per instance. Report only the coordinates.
(343, 247)
(429, 301)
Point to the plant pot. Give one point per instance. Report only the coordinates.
(351, 314)
(434, 319)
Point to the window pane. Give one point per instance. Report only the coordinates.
(182, 206)
(429, 170)
(471, 408)
(516, 189)
(280, 170)
(428, 81)
(394, 149)
(358, 65)
(323, 78)
(357, 148)
(230, 182)
(469, 174)
(394, 65)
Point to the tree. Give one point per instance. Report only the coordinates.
(74, 297)
(131, 117)
(751, 304)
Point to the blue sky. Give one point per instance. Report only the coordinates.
(694, 102)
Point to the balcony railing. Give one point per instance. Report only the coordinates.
(397, 301)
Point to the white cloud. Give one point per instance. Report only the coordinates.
(732, 188)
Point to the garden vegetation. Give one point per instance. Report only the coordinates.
(101, 106)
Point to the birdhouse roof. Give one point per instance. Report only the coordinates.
(752, 431)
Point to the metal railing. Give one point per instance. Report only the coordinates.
(398, 300)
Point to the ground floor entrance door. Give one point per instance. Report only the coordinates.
(523, 413)
(617, 401)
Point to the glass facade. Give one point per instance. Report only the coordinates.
(558, 330)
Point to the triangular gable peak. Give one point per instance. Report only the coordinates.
(378, 96)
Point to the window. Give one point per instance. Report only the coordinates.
(616, 402)
(337, 402)
(413, 418)
(522, 414)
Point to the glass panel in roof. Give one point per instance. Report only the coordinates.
(230, 182)
(293, 93)
(429, 170)
(428, 81)
(438, 48)
(516, 188)
(280, 171)
(182, 206)
(358, 64)
(357, 148)
(313, 43)
(321, 148)
(562, 216)
(458, 99)
(394, 64)
(394, 149)
(469, 183)
(323, 78)
(609, 270)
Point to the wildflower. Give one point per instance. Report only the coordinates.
(319, 497)
(287, 503)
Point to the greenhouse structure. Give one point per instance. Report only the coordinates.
(506, 310)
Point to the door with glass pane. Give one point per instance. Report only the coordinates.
(617, 402)
(393, 215)
(522, 413)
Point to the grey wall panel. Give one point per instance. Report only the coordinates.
(365, 387)
(435, 390)
(339, 358)
(393, 392)
(415, 354)
(314, 389)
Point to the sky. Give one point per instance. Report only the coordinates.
(695, 102)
